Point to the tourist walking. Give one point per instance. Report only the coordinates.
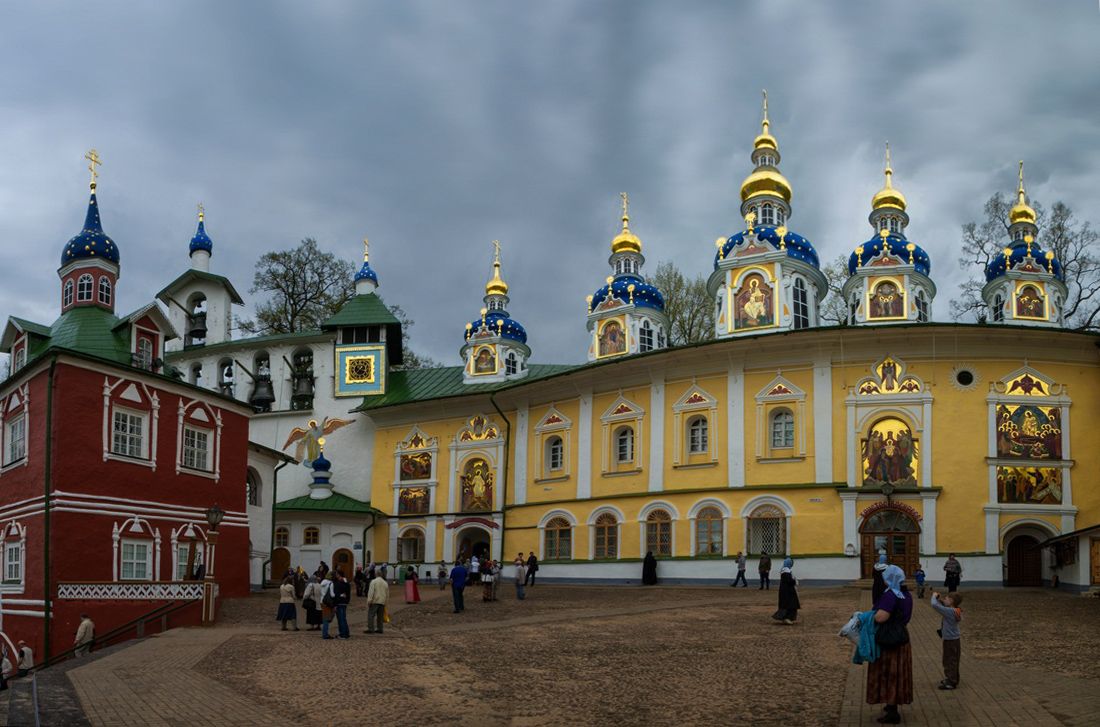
(378, 593)
(25, 659)
(328, 604)
(878, 586)
(487, 581)
(360, 581)
(788, 594)
(458, 585)
(948, 606)
(412, 587)
(342, 595)
(953, 569)
(649, 569)
(441, 575)
(764, 568)
(85, 634)
(920, 577)
(741, 561)
(532, 568)
(521, 577)
(311, 603)
(475, 570)
(890, 677)
(287, 611)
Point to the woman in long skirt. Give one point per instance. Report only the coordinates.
(788, 594)
(412, 591)
(287, 611)
(486, 580)
(311, 602)
(649, 569)
(890, 677)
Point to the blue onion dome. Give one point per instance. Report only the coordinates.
(643, 295)
(201, 241)
(321, 464)
(500, 324)
(796, 246)
(904, 249)
(91, 242)
(366, 273)
(1025, 256)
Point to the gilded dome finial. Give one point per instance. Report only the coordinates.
(764, 124)
(626, 241)
(366, 249)
(93, 161)
(1021, 211)
(888, 196)
(496, 285)
(202, 212)
(888, 170)
(626, 211)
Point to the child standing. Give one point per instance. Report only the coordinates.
(919, 576)
(948, 606)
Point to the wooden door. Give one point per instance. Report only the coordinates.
(1025, 564)
(344, 561)
(1094, 560)
(280, 562)
(902, 550)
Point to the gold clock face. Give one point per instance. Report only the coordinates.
(360, 370)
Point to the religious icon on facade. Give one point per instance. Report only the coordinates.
(485, 361)
(889, 373)
(416, 466)
(1029, 432)
(889, 455)
(477, 486)
(753, 304)
(612, 338)
(887, 301)
(1029, 485)
(1029, 303)
(413, 501)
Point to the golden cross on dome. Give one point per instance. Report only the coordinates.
(626, 208)
(496, 251)
(93, 161)
(366, 249)
(202, 211)
(765, 92)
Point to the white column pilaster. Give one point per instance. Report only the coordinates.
(992, 530)
(496, 537)
(453, 482)
(657, 433)
(926, 445)
(430, 554)
(392, 558)
(584, 446)
(519, 446)
(851, 527)
(823, 420)
(448, 540)
(928, 535)
(735, 425)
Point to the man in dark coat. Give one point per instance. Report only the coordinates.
(532, 568)
(649, 570)
(765, 569)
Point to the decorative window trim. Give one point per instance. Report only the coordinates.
(619, 518)
(15, 404)
(548, 455)
(85, 293)
(67, 296)
(762, 500)
(135, 394)
(194, 533)
(205, 418)
(553, 423)
(9, 461)
(780, 393)
(624, 434)
(694, 401)
(643, 515)
(14, 535)
(282, 530)
(104, 290)
(307, 531)
(693, 515)
(18, 353)
(568, 516)
(417, 442)
(412, 532)
(621, 412)
(135, 529)
(144, 416)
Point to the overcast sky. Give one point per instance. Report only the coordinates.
(436, 127)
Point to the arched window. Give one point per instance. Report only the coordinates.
(618, 267)
(555, 454)
(624, 445)
(145, 353)
(780, 218)
(894, 225)
(998, 308)
(67, 296)
(645, 337)
(1018, 235)
(226, 374)
(311, 536)
(510, 364)
(884, 224)
(782, 428)
(282, 537)
(104, 290)
(410, 546)
(253, 487)
(767, 530)
(558, 540)
(196, 374)
(801, 304)
(607, 536)
(84, 288)
(698, 435)
(658, 533)
(767, 160)
(922, 307)
(767, 214)
(708, 531)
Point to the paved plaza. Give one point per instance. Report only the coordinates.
(584, 655)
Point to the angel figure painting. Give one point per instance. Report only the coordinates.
(308, 439)
(889, 455)
(753, 305)
(477, 486)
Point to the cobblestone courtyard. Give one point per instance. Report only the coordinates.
(581, 655)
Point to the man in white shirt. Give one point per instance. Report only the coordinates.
(475, 576)
(26, 659)
(377, 595)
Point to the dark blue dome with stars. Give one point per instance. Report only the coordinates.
(645, 295)
(92, 242)
(202, 241)
(366, 273)
(321, 464)
(508, 328)
(797, 246)
(1017, 259)
(898, 247)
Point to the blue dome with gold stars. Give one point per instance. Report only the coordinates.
(366, 273)
(507, 327)
(645, 295)
(91, 242)
(796, 246)
(898, 246)
(202, 241)
(1025, 257)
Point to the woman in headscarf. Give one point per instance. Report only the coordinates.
(877, 584)
(412, 585)
(890, 677)
(788, 594)
(649, 570)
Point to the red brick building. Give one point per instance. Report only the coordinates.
(109, 464)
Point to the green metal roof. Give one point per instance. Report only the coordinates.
(92, 330)
(202, 275)
(405, 387)
(30, 326)
(362, 310)
(333, 503)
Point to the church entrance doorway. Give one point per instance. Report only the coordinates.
(1025, 563)
(280, 562)
(1094, 560)
(894, 531)
(344, 561)
(472, 541)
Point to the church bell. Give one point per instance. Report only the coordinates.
(197, 329)
(263, 395)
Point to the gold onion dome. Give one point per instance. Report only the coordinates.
(1021, 211)
(766, 180)
(626, 241)
(888, 196)
(496, 284)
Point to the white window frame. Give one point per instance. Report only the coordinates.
(284, 531)
(786, 431)
(13, 426)
(800, 304)
(767, 214)
(253, 488)
(624, 435)
(181, 558)
(13, 547)
(922, 307)
(555, 453)
(698, 425)
(84, 285)
(143, 440)
(192, 450)
(511, 364)
(67, 293)
(645, 337)
(19, 358)
(148, 560)
(105, 290)
(413, 534)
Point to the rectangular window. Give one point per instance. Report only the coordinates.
(13, 563)
(128, 434)
(136, 561)
(182, 551)
(196, 449)
(16, 436)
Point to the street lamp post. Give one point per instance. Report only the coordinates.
(214, 517)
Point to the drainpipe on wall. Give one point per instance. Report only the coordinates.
(47, 486)
(363, 554)
(271, 548)
(504, 469)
